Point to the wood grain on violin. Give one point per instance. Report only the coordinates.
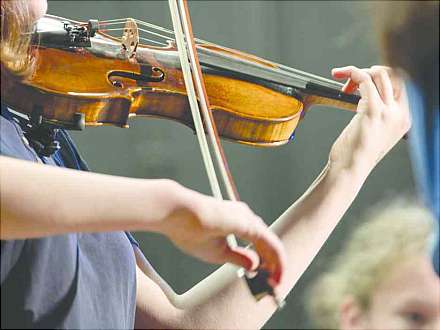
(254, 101)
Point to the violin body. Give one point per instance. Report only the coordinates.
(106, 84)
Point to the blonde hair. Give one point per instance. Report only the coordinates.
(385, 239)
(16, 25)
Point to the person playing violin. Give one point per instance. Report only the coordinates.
(68, 260)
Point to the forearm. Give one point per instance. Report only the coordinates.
(305, 226)
(223, 301)
(39, 200)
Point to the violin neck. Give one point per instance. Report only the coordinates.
(314, 90)
(316, 94)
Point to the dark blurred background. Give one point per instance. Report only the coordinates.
(313, 36)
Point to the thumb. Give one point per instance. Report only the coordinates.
(243, 257)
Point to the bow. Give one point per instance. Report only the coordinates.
(202, 115)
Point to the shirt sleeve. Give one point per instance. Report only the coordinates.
(12, 143)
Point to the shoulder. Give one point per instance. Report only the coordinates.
(18, 141)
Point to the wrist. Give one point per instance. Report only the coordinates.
(168, 198)
(357, 171)
(347, 179)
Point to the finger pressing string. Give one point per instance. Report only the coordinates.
(350, 86)
(367, 88)
(383, 83)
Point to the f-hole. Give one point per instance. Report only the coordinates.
(155, 74)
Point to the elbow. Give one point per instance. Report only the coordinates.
(172, 318)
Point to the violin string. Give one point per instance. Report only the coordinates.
(153, 41)
(285, 69)
(140, 29)
(112, 23)
(157, 27)
(156, 34)
(108, 21)
(150, 25)
(154, 26)
(282, 69)
(311, 76)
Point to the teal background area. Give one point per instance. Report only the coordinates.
(313, 36)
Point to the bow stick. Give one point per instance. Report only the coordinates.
(197, 95)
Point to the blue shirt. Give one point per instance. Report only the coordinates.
(68, 281)
(424, 139)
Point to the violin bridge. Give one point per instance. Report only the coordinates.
(130, 39)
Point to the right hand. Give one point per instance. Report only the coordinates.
(199, 224)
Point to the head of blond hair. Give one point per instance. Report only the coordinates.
(16, 24)
(387, 237)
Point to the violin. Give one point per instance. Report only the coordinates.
(85, 76)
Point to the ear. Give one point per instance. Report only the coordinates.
(351, 316)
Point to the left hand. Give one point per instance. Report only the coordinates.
(382, 117)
